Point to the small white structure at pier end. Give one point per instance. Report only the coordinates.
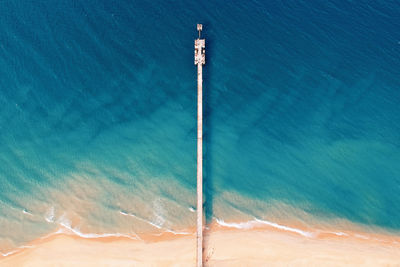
(199, 48)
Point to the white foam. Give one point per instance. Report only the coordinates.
(24, 211)
(361, 236)
(15, 251)
(9, 253)
(67, 226)
(92, 235)
(242, 225)
(141, 219)
(338, 233)
(159, 211)
(153, 224)
(177, 232)
(49, 217)
(66, 223)
(285, 228)
(257, 222)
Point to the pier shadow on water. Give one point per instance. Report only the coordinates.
(208, 184)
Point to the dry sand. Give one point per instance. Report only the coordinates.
(223, 247)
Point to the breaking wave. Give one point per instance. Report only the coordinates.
(158, 226)
(257, 222)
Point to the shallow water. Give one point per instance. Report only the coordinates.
(98, 114)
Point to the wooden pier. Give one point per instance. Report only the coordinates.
(199, 60)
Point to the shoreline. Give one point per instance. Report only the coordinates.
(228, 243)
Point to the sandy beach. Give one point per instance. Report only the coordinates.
(223, 247)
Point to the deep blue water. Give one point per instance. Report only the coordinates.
(98, 113)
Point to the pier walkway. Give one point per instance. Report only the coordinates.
(199, 60)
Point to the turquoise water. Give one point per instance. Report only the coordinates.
(98, 114)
